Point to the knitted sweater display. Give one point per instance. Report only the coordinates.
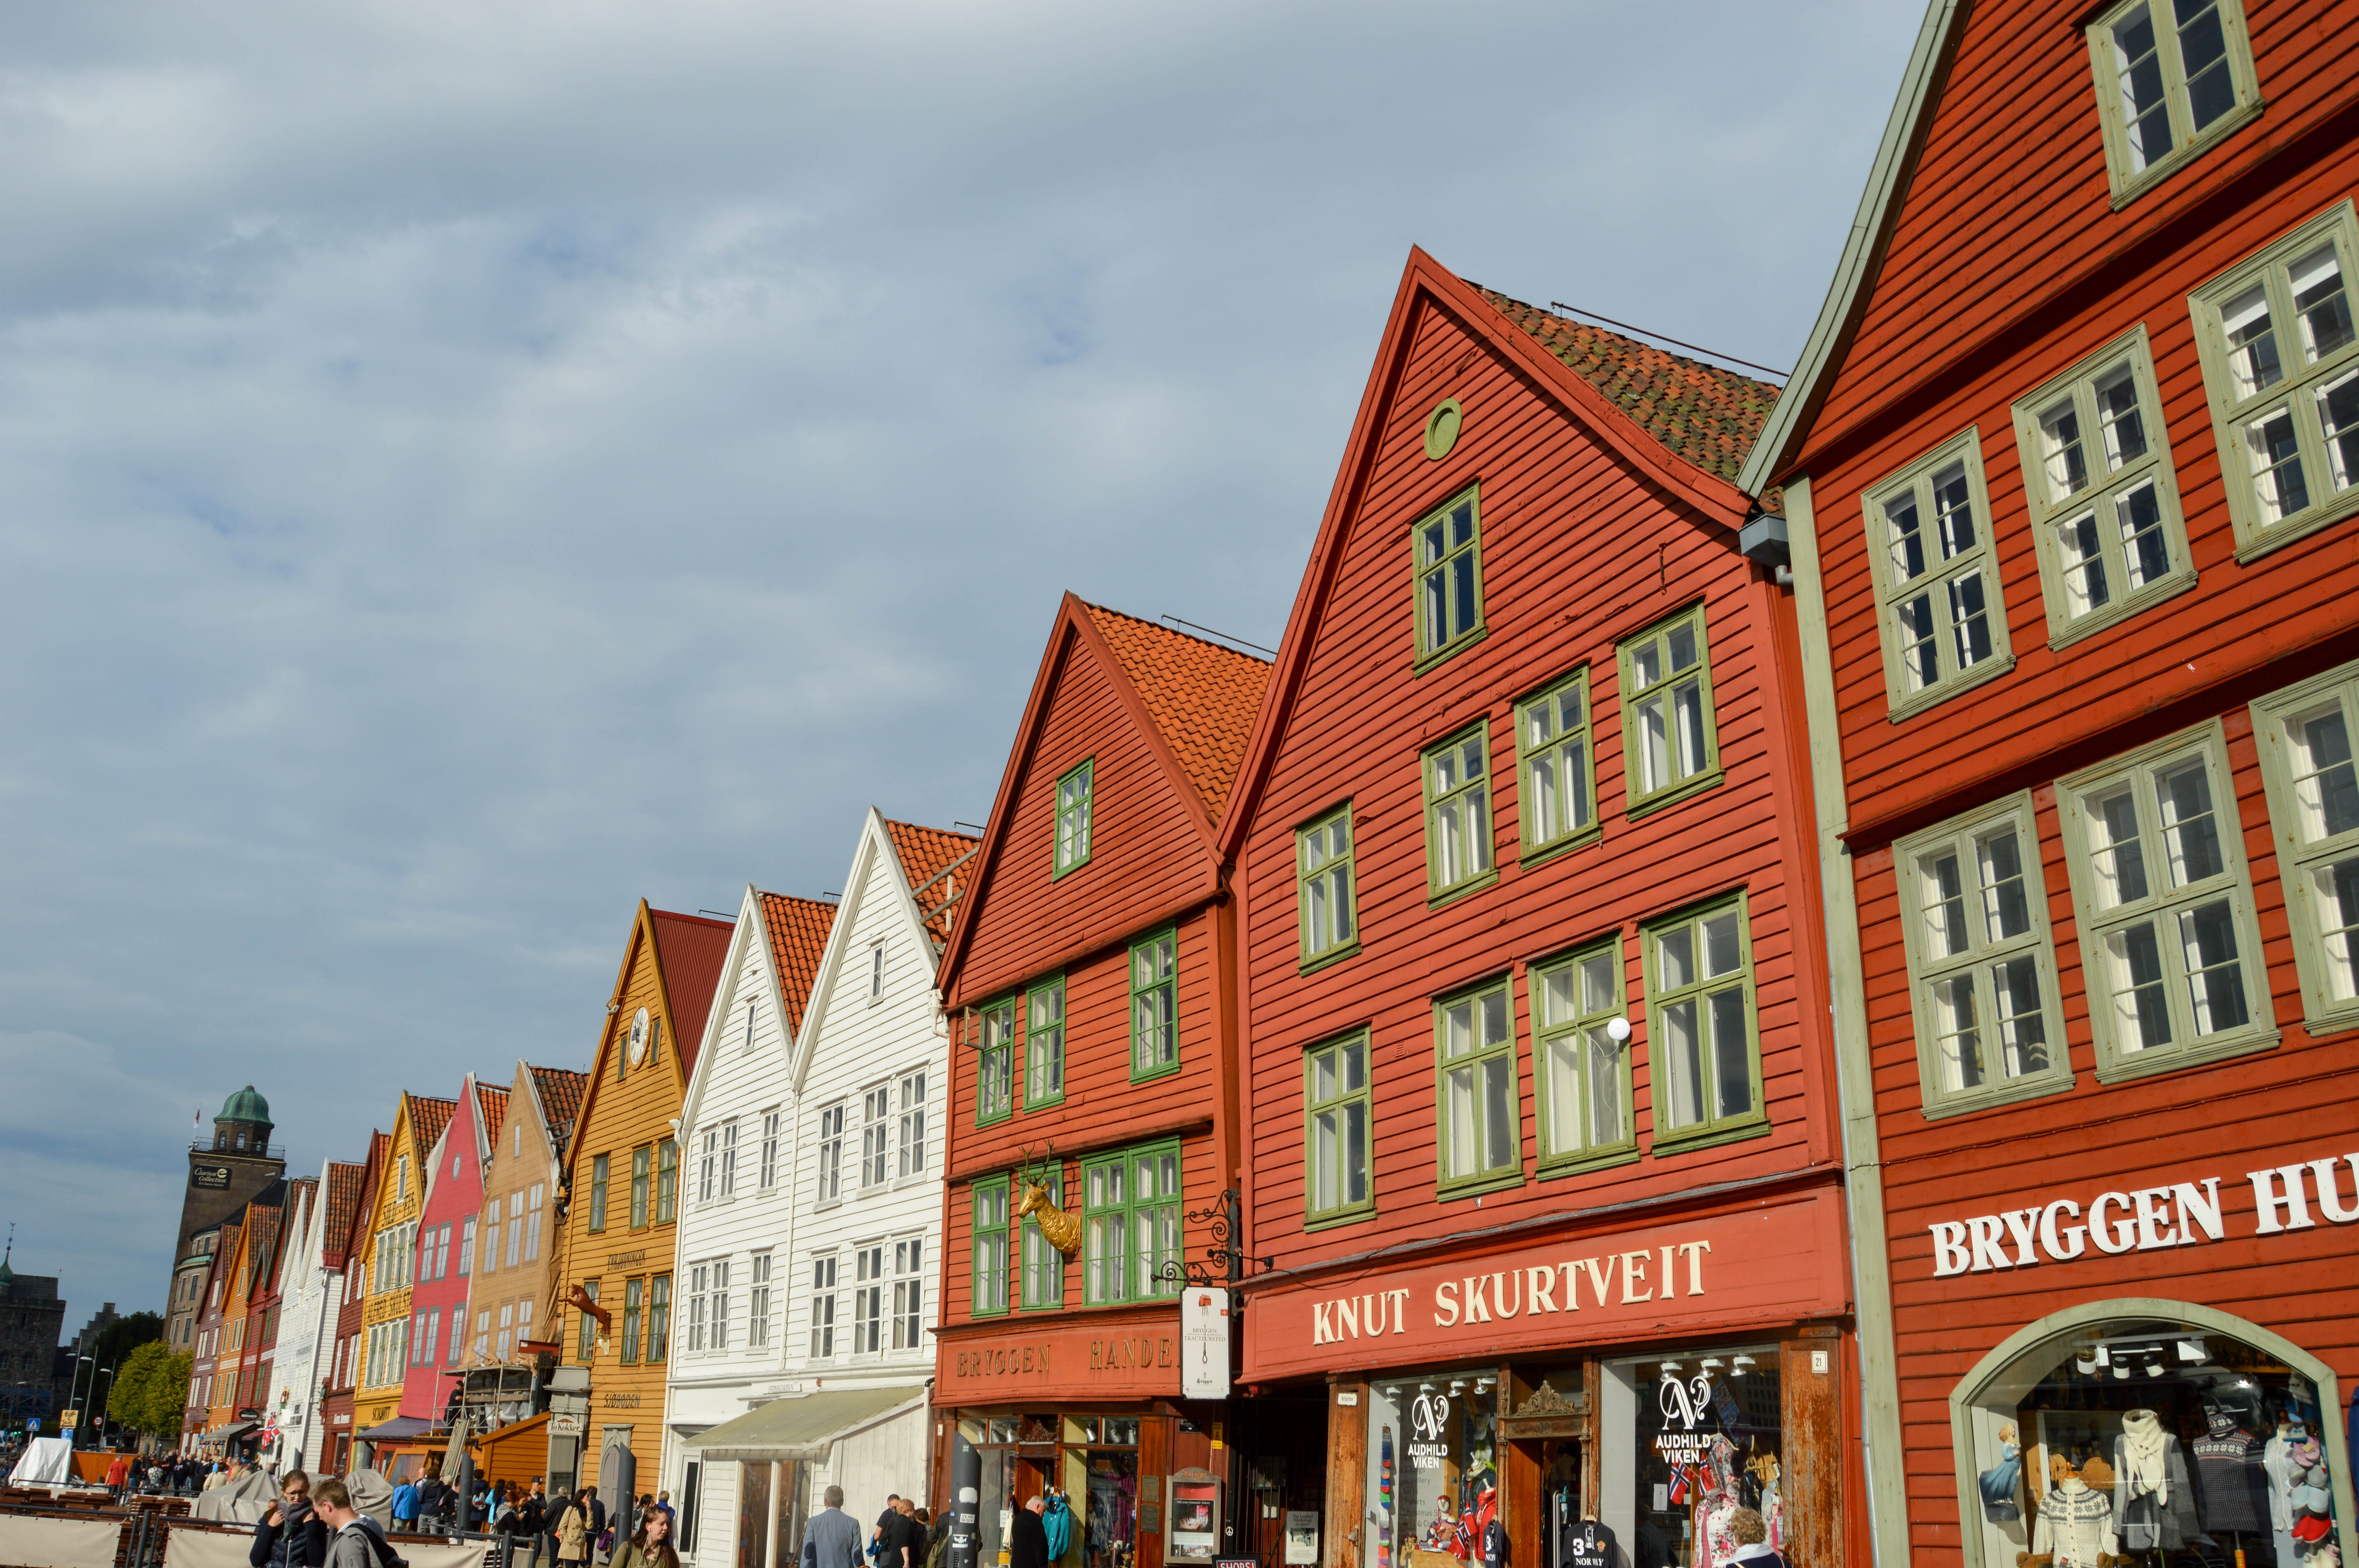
(2154, 1505)
(2235, 1485)
(2075, 1525)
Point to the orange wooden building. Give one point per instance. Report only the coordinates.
(2073, 482)
(1543, 1136)
(1091, 975)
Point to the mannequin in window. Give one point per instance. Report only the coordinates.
(2229, 1464)
(2074, 1527)
(2153, 1502)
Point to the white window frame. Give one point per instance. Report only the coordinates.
(757, 1301)
(2129, 182)
(875, 1135)
(826, 1289)
(868, 1297)
(909, 1309)
(827, 1185)
(2308, 852)
(728, 1160)
(773, 1125)
(909, 1149)
(1939, 573)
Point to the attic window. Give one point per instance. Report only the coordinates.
(1449, 557)
(2172, 75)
(875, 971)
(1076, 795)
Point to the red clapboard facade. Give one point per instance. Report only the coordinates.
(1543, 1150)
(2071, 469)
(1090, 972)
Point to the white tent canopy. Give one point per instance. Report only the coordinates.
(46, 1462)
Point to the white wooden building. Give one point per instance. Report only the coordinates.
(812, 1206)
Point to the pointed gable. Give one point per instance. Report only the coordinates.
(796, 931)
(428, 1118)
(1202, 696)
(561, 1090)
(490, 1111)
(932, 861)
(690, 949)
(345, 1182)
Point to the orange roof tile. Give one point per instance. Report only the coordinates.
(798, 929)
(1201, 695)
(692, 949)
(1708, 415)
(428, 1118)
(491, 1109)
(344, 1180)
(561, 1090)
(262, 1224)
(926, 853)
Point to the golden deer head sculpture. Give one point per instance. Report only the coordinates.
(1062, 1230)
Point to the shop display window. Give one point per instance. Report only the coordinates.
(1686, 1439)
(1433, 1470)
(2141, 1439)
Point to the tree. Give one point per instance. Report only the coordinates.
(114, 1344)
(151, 1391)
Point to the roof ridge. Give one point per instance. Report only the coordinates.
(1173, 632)
(1588, 326)
(690, 919)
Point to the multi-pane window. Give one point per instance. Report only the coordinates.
(875, 971)
(1552, 751)
(483, 1335)
(728, 1159)
(586, 1346)
(1980, 962)
(1335, 1128)
(1044, 1044)
(2281, 359)
(990, 1290)
(718, 1300)
(913, 1124)
(1458, 812)
(1670, 730)
(2097, 474)
(515, 1233)
(707, 1167)
(1583, 1070)
(875, 1136)
(642, 1159)
(757, 1302)
(1324, 884)
(466, 1246)
(994, 1069)
(1075, 799)
(1043, 1284)
(908, 1291)
(1130, 1224)
(823, 1307)
(1449, 547)
(2166, 922)
(699, 1275)
(1705, 1053)
(1154, 1005)
(633, 1305)
(2305, 743)
(770, 1174)
(667, 1180)
(830, 1178)
(2170, 75)
(458, 1335)
(598, 1168)
(532, 1231)
(1928, 539)
(507, 1327)
(659, 1317)
(868, 1299)
(1475, 1050)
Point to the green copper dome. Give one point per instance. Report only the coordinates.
(245, 1106)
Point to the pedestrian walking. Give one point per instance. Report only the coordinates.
(574, 1532)
(1027, 1541)
(652, 1546)
(831, 1539)
(351, 1545)
(405, 1506)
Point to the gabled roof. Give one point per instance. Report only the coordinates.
(561, 1090)
(690, 949)
(1709, 415)
(345, 1180)
(261, 1239)
(930, 859)
(428, 1118)
(372, 1181)
(225, 1257)
(1202, 696)
(797, 929)
(491, 1109)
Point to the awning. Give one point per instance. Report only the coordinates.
(802, 1427)
(229, 1434)
(399, 1427)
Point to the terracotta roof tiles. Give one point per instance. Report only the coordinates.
(1202, 696)
(428, 1118)
(798, 929)
(926, 853)
(491, 1109)
(692, 949)
(344, 1200)
(561, 1090)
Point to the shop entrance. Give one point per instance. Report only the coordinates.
(1555, 1462)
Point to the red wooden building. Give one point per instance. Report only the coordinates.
(1543, 1141)
(2069, 466)
(1090, 972)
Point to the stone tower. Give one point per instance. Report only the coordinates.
(225, 1171)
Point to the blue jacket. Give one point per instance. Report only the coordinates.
(405, 1500)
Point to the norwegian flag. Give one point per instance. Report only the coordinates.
(1682, 1477)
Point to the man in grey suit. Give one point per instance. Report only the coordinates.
(832, 1539)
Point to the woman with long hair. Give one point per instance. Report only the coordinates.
(651, 1547)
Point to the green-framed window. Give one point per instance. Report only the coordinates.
(1336, 1183)
(634, 1304)
(994, 1067)
(1582, 1072)
(598, 1170)
(2172, 77)
(1480, 1106)
(1671, 729)
(1982, 963)
(2281, 363)
(1130, 1224)
(1458, 813)
(659, 1317)
(1325, 916)
(1075, 796)
(1044, 1267)
(585, 1343)
(1929, 542)
(990, 1297)
(1155, 1005)
(2098, 478)
(667, 1180)
(642, 1162)
(1448, 560)
(1553, 750)
(1044, 1044)
(2169, 943)
(2304, 735)
(1706, 1046)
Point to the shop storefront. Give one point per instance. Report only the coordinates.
(1578, 1392)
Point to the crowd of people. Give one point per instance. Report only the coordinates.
(904, 1535)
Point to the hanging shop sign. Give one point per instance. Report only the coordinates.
(2170, 1213)
(1774, 1263)
(1204, 1343)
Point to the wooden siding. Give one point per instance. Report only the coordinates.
(522, 1160)
(454, 1194)
(400, 1194)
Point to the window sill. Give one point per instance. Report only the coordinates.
(1592, 834)
(1039, 1306)
(994, 1118)
(2331, 1022)
(1990, 669)
(1057, 876)
(1152, 1073)
(2302, 524)
(2113, 1069)
(2128, 609)
(1048, 1103)
(1969, 1102)
(1447, 652)
(1688, 1142)
(1332, 955)
(1488, 880)
(1476, 1187)
(1359, 1215)
(2146, 178)
(1580, 1164)
(1674, 795)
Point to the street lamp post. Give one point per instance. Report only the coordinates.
(94, 1390)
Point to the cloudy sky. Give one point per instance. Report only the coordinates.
(465, 467)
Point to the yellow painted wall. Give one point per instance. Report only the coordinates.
(401, 1194)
